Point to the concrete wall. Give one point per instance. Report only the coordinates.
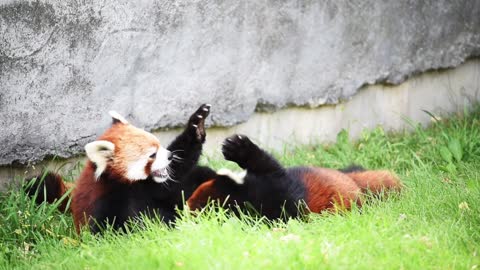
(64, 64)
(439, 92)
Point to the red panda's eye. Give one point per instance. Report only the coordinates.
(154, 155)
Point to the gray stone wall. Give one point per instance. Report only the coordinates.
(64, 64)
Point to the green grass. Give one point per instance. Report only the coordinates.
(433, 224)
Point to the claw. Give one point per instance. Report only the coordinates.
(240, 137)
(199, 116)
(195, 126)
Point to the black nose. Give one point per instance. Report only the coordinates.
(170, 155)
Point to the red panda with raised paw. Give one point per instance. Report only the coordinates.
(129, 173)
(278, 192)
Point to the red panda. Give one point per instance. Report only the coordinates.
(128, 173)
(55, 191)
(278, 192)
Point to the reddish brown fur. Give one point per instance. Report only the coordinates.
(329, 189)
(202, 194)
(148, 168)
(49, 187)
(85, 194)
(121, 180)
(376, 181)
(130, 143)
(66, 186)
(63, 188)
(85, 191)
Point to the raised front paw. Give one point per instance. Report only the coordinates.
(196, 123)
(239, 149)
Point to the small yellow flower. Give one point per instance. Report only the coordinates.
(426, 241)
(446, 180)
(26, 247)
(69, 241)
(50, 232)
(18, 231)
(290, 237)
(463, 206)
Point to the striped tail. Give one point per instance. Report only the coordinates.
(376, 181)
(49, 187)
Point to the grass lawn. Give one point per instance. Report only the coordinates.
(433, 224)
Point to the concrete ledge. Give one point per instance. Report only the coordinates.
(440, 92)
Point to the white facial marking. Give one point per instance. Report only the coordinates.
(118, 117)
(238, 177)
(159, 166)
(99, 152)
(136, 169)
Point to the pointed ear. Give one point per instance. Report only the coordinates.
(117, 118)
(99, 152)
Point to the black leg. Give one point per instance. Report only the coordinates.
(271, 190)
(187, 147)
(239, 149)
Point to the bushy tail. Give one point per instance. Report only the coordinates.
(376, 181)
(353, 168)
(49, 187)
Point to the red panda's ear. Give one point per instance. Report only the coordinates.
(117, 118)
(99, 152)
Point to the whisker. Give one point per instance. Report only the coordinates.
(165, 184)
(178, 160)
(171, 175)
(170, 170)
(173, 180)
(178, 157)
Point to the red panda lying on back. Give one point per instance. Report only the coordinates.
(275, 191)
(128, 172)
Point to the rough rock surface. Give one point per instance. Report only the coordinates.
(64, 64)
